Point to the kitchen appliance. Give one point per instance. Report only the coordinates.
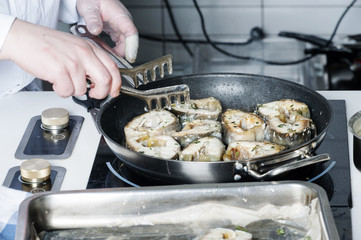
(342, 68)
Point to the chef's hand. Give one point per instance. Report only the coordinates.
(113, 18)
(62, 59)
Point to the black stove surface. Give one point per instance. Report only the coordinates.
(334, 176)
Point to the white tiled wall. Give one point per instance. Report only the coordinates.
(311, 20)
(233, 19)
(228, 21)
(238, 16)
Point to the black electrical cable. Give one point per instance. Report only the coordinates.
(258, 59)
(237, 56)
(171, 16)
(256, 34)
(329, 42)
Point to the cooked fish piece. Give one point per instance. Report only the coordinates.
(205, 108)
(239, 150)
(291, 131)
(197, 129)
(286, 107)
(207, 149)
(225, 233)
(155, 122)
(239, 125)
(162, 146)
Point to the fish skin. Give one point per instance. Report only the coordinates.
(204, 108)
(241, 150)
(290, 132)
(288, 121)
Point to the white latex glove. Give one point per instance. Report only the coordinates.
(113, 18)
(62, 59)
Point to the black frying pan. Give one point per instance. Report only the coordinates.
(236, 91)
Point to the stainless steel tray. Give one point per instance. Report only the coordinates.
(109, 208)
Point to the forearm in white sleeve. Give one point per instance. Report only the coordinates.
(68, 12)
(6, 22)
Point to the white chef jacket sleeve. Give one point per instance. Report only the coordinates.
(6, 22)
(68, 12)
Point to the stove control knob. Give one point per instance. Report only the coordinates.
(35, 170)
(55, 118)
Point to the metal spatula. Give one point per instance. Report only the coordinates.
(159, 98)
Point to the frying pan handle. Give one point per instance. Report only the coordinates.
(295, 164)
(92, 105)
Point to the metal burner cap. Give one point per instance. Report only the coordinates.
(35, 170)
(55, 118)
